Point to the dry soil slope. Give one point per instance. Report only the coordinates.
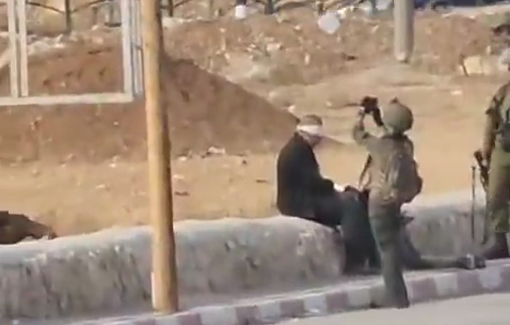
(205, 111)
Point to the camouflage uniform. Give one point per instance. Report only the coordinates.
(385, 213)
(498, 192)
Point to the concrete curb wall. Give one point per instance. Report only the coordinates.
(421, 288)
(447, 219)
(111, 268)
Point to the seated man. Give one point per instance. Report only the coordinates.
(303, 192)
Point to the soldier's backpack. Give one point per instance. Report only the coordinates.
(402, 181)
(504, 131)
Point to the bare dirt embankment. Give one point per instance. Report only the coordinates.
(205, 111)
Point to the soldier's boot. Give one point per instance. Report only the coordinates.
(499, 249)
(470, 262)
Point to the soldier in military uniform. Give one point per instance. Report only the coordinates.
(496, 156)
(384, 207)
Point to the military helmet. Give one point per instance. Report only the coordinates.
(397, 117)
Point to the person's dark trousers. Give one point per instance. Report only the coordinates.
(348, 211)
(356, 257)
(328, 210)
(359, 238)
(386, 226)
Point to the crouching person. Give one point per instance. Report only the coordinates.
(15, 228)
(303, 192)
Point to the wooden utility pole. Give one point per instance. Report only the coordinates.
(403, 15)
(164, 276)
(68, 12)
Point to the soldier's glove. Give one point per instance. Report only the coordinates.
(486, 156)
(369, 104)
(376, 114)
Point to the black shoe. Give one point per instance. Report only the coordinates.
(498, 250)
(403, 306)
(354, 270)
(400, 304)
(377, 305)
(480, 262)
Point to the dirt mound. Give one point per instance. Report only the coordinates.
(306, 55)
(440, 43)
(204, 111)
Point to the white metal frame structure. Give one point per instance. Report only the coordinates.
(18, 65)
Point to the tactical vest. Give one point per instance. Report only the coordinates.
(393, 175)
(503, 131)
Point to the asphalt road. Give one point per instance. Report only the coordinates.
(491, 309)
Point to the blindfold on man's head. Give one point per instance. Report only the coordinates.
(315, 130)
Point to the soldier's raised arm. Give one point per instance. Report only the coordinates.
(359, 134)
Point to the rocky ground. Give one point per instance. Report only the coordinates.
(232, 89)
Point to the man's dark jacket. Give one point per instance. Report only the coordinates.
(299, 182)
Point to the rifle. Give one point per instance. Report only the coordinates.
(484, 180)
(484, 170)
